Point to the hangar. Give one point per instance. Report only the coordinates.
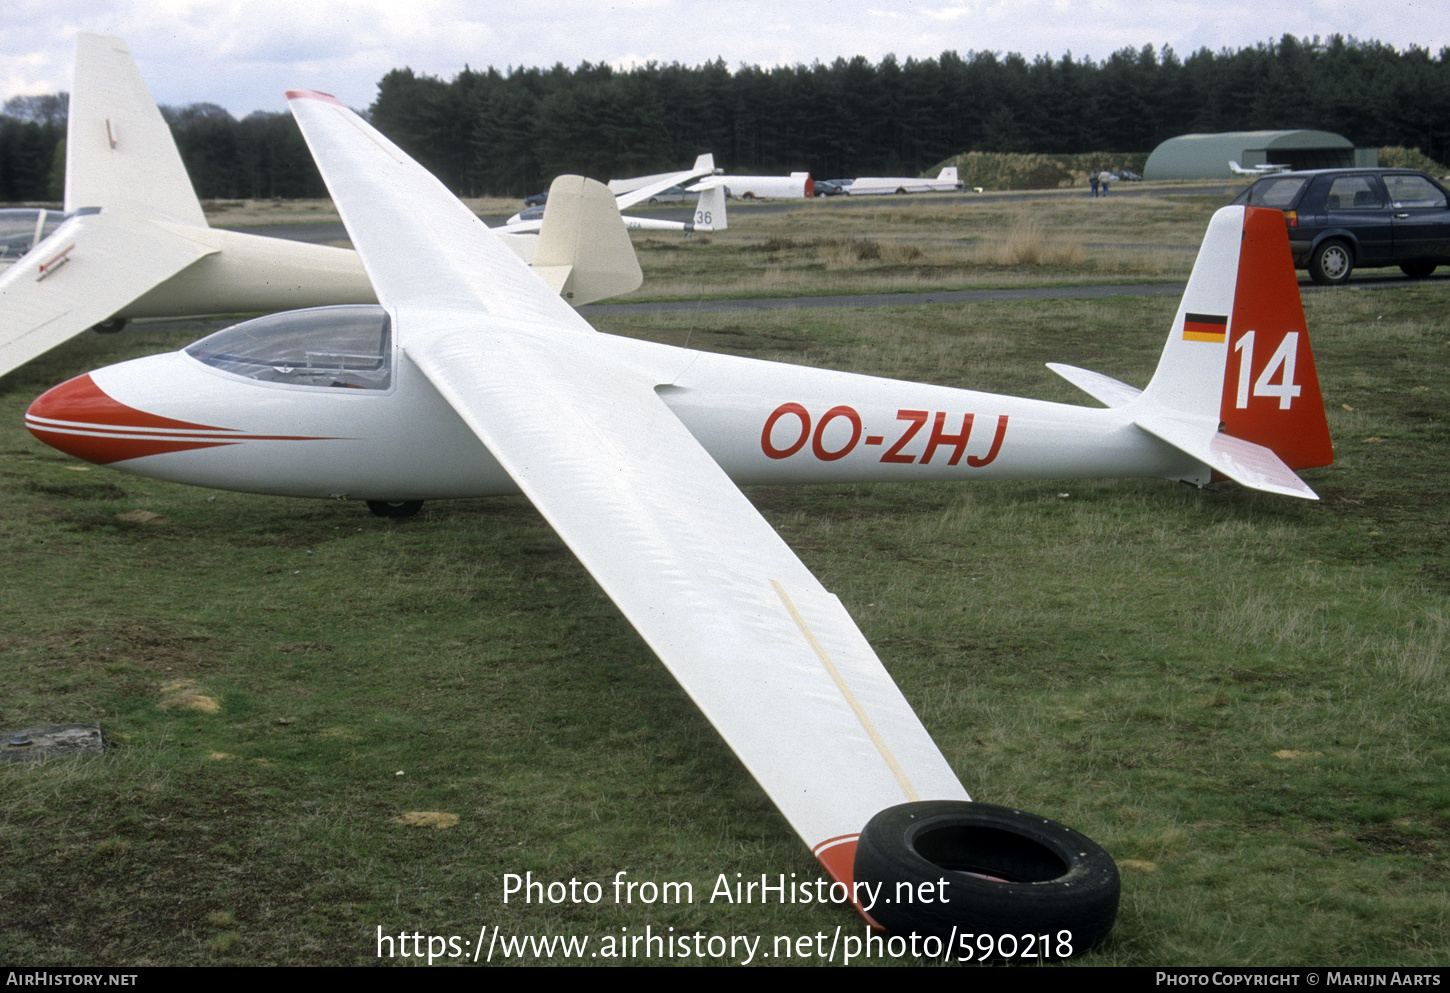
(1207, 156)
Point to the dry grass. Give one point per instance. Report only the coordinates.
(1030, 244)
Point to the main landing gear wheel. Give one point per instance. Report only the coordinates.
(987, 870)
(110, 325)
(395, 508)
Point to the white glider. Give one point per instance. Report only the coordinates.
(135, 243)
(473, 378)
(792, 187)
(709, 210)
(945, 182)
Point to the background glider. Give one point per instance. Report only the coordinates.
(709, 210)
(135, 242)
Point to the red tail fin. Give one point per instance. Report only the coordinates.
(1270, 388)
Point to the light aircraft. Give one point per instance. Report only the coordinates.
(1264, 169)
(945, 182)
(794, 186)
(135, 243)
(474, 378)
(709, 210)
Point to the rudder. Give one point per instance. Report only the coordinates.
(1271, 388)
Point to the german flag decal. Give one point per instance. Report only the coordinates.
(1205, 327)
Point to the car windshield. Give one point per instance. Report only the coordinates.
(1279, 191)
(325, 346)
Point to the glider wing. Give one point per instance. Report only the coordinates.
(768, 654)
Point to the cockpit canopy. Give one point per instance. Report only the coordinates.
(324, 346)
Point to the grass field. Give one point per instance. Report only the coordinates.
(327, 725)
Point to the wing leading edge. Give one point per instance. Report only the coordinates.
(768, 654)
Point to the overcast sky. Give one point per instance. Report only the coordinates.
(244, 55)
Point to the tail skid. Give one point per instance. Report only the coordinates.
(1236, 388)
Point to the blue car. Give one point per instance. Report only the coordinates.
(1343, 219)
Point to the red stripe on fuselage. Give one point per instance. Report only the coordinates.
(81, 419)
(80, 399)
(103, 450)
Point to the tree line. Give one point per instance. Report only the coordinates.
(508, 132)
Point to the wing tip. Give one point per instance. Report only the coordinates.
(313, 95)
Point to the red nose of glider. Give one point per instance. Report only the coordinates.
(80, 419)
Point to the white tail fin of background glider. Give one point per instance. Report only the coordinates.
(119, 153)
(710, 210)
(1236, 386)
(584, 251)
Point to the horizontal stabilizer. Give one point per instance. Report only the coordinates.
(89, 268)
(1105, 389)
(1242, 461)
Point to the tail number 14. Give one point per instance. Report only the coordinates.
(1280, 366)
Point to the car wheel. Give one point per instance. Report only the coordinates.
(395, 508)
(1331, 263)
(1417, 270)
(979, 869)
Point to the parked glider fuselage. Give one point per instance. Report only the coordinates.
(172, 416)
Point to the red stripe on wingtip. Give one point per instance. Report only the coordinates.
(838, 857)
(313, 95)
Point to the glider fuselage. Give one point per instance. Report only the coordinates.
(171, 416)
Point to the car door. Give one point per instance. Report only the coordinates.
(1356, 202)
(1420, 213)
